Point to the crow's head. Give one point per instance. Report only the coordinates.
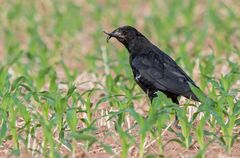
(124, 34)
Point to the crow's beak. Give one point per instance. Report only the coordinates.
(109, 35)
(116, 33)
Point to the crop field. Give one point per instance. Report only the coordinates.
(66, 92)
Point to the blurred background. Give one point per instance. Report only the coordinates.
(49, 31)
(50, 45)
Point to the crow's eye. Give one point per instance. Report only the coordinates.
(124, 32)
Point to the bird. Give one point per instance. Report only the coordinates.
(152, 68)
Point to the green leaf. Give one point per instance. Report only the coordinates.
(72, 119)
(202, 97)
(3, 131)
(84, 137)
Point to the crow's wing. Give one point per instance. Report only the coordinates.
(163, 73)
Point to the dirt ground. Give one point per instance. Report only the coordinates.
(107, 134)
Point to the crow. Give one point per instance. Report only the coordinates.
(153, 70)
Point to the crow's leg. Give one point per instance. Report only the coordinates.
(151, 96)
(175, 100)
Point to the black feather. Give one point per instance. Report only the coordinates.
(154, 70)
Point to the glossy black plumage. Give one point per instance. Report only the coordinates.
(153, 70)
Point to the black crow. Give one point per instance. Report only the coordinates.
(153, 70)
